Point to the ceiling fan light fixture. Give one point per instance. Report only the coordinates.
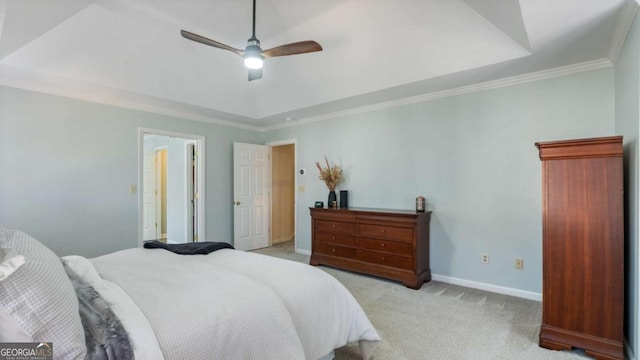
(252, 57)
(253, 61)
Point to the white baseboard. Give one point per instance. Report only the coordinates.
(628, 352)
(303, 252)
(488, 287)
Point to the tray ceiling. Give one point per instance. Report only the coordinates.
(130, 53)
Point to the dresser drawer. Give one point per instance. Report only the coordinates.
(335, 226)
(402, 262)
(334, 238)
(334, 250)
(386, 232)
(394, 247)
(333, 214)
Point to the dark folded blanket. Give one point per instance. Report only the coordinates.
(196, 248)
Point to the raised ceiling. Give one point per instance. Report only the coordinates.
(130, 52)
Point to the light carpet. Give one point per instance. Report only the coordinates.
(440, 321)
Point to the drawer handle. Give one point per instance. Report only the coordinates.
(334, 250)
(382, 258)
(382, 244)
(333, 238)
(333, 225)
(382, 231)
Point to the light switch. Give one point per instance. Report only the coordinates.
(133, 189)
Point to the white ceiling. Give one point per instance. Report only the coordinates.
(130, 52)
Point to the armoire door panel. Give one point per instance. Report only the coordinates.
(583, 246)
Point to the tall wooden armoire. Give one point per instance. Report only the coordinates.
(583, 246)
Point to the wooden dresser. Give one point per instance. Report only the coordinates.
(583, 246)
(393, 244)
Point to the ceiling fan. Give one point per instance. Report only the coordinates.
(253, 54)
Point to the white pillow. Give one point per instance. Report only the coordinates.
(40, 298)
(9, 262)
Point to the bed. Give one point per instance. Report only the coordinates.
(228, 304)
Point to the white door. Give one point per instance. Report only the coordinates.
(251, 196)
(149, 194)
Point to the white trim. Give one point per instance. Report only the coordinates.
(303, 252)
(284, 142)
(200, 147)
(488, 287)
(295, 186)
(627, 347)
(625, 21)
(74, 89)
(103, 95)
(488, 85)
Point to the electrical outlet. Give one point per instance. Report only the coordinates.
(519, 264)
(485, 258)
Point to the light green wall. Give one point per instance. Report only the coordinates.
(472, 156)
(66, 166)
(627, 80)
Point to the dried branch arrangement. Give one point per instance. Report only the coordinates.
(331, 175)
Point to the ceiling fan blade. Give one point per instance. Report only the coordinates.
(255, 74)
(206, 41)
(301, 47)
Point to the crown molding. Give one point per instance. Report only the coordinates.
(489, 85)
(61, 86)
(625, 20)
(49, 84)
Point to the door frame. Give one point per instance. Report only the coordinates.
(295, 189)
(190, 191)
(200, 148)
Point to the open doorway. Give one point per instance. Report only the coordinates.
(283, 194)
(171, 186)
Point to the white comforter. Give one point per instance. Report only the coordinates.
(226, 305)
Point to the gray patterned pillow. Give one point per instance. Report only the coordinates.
(40, 298)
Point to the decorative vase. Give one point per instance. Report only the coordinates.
(332, 199)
